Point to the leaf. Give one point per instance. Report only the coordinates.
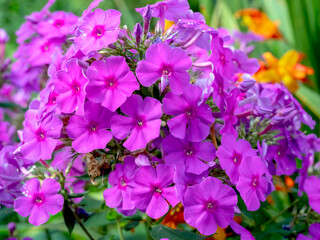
(160, 231)
(309, 98)
(68, 216)
(131, 225)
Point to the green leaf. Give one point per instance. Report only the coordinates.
(160, 231)
(68, 216)
(112, 215)
(309, 98)
(131, 225)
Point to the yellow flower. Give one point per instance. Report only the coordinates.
(286, 70)
(259, 23)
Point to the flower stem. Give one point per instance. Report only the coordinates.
(82, 226)
(147, 225)
(120, 229)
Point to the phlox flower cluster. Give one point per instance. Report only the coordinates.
(175, 115)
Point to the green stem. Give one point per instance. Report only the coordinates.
(279, 214)
(120, 229)
(82, 226)
(147, 225)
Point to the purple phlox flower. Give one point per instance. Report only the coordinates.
(209, 204)
(285, 160)
(314, 231)
(206, 85)
(312, 189)
(262, 151)
(122, 183)
(246, 83)
(231, 153)
(245, 38)
(41, 49)
(48, 102)
(10, 184)
(172, 10)
(229, 114)
(225, 35)
(245, 64)
(40, 138)
(143, 123)
(183, 180)
(238, 229)
(71, 88)
(57, 25)
(89, 132)
(193, 32)
(4, 38)
(57, 60)
(7, 156)
(191, 120)
(110, 82)
(221, 57)
(152, 189)
(88, 11)
(307, 161)
(142, 160)
(252, 183)
(219, 93)
(189, 154)
(98, 30)
(64, 157)
(38, 201)
(165, 63)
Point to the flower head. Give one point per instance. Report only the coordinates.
(231, 153)
(110, 82)
(40, 138)
(98, 30)
(122, 182)
(143, 123)
(187, 153)
(71, 88)
(90, 132)
(39, 201)
(191, 121)
(252, 183)
(152, 190)
(209, 204)
(312, 188)
(165, 63)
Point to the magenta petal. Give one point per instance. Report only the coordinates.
(148, 73)
(145, 176)
(197, 130)
(177, 126)
(113, 197)
(157, 207)
(30, 187)
(170, 195)
(54, 204)
(50, 186)
(38, 215)
(23, 206)
(179, 81)
(164, 175)
(136, 140)
(121, 126)
(127, 203)
(206, 224)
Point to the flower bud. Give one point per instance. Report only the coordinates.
(147, 14)
(247, 83)
(138, 32)
(11, 227)
(4, 38)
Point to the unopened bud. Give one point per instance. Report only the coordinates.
(4, 38)
(138, 32)
(147, 15)
(247, 83)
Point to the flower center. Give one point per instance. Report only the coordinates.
(111, 83)
(157, 190)
(40, 134)
(211, 206)
(45, 47)
(98, 31)
(123, 182)
(140, 122)
(58, 23)
(190, 112)
(255, 182)
(237, 158)
(75, 86)
(38, 198)
(94, 127)
(166, 71)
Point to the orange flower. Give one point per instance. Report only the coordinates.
(174, 217)
(259, 23)
(287, 70)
